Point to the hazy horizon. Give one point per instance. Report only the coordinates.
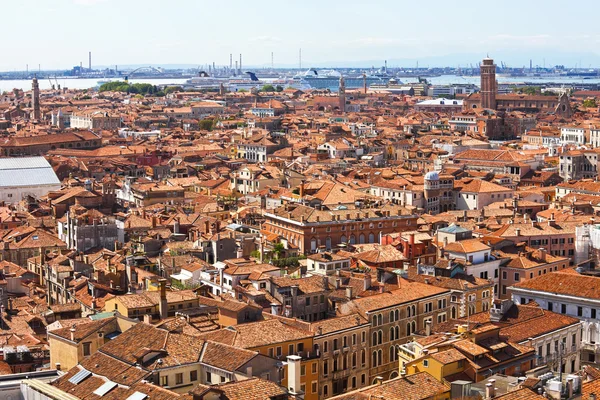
(59, 34)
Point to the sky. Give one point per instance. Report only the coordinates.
(59, 33)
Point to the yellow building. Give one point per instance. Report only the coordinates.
(149, 303)
(70, 345)
(440, 364)
(276, 339)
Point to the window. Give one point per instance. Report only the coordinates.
(517, 277)
(428, 307)
(563, 308)
(222, 379)
(504, 275)
(303, 370)
(593, 313)
(291, 349)
(354, 339)
(579, 311)
(314, 387)
(87, 349)
(208, 377)
(325, 391)
(313, 368)
(325, 346)
(193, 376)
(325, 368)
(164, 381)
(426, 363)
(278, 351)
(549, 306)
(179, 378)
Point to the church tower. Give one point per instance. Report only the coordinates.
(342, 94)
(488, 84)
(36, 99)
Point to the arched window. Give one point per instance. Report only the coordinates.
(379, 357)
(380, 336)
(352, 239)
(313, 244)
(374, 359)
(392, 333)
(328, 243)
(413, 326)
(374, 341)
(396, 315)
(453, 313)
(408, 330)
(394, 374)
(343, 239)
(361, 238)
(363, 357)
(414, 309)
(392, 353)
(391, 316)
(379, 319)
(353, 360)
(408, 312)
(371, 237)
(397, 331)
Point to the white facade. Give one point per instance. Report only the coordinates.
(476, 201)
(574, 135)
(26, 176)
(585, 309)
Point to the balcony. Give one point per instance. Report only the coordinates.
(341, 374)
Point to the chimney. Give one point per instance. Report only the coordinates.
(72, 330)
(411, 239)
(248, 371)
(428, 328)
(147, 319)
(294, 374)
(518, 232)
(465, 216)
(94, 303)
(349, 292)
(302, 189)
(543, 254)
(338, 283)
(490, 389)
(378, 380)
(162, 305)
(367, 283)
(380, 275)
(570, 388)
(275, 308)
(57, 366)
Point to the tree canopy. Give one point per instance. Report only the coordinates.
(135, 88)
(590, 103)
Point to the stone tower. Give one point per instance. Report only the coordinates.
(488, 84)
(342, 94)
(35, 87)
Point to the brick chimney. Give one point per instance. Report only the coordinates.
(162, 305)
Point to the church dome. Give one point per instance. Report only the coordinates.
(432, 176)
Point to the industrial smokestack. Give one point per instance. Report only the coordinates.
(240, 63)
(236, 68)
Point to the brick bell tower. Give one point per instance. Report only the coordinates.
(488, 83)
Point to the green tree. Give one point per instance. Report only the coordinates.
(207, 124)
(279, 88)
(590, 103)
(268, 88)
(173, 89)
(278, 249)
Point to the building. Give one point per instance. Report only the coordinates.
(344, 363)
(395, 316)
(421, 386)
(71, 344)
(440, 105)
(578, 164)
(568, 293)
(27, 176)
(85, 229)
(309, 228)
(35, 100)
(489, 86)
(95, 119)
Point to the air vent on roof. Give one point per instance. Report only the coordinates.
(137, 396)
(105, 388)
(80, 376)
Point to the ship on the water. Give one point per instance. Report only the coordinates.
(329, 79)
